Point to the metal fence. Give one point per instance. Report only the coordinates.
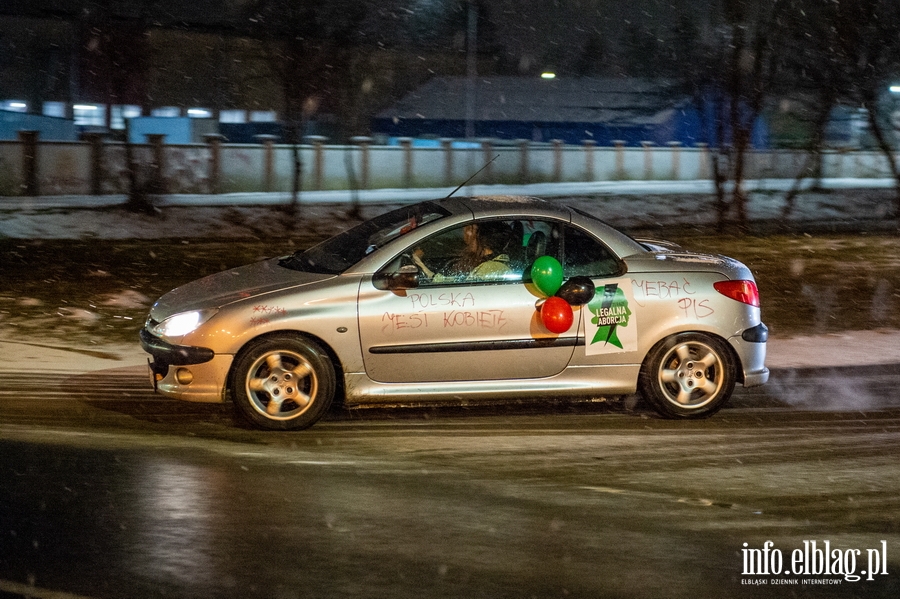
(30, 167)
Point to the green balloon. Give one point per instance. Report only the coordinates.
(547, 274)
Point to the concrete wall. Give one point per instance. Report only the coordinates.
(94, 167)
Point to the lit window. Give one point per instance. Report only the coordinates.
(89, 114)
(233, 116)
(14, 105)
(166, 111)
(57, 109)
(263, 116)
(122, 112)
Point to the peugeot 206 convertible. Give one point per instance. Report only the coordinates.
(463, 299)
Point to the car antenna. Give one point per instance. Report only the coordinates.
(463, 184)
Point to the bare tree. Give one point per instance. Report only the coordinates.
(815, 78)
(307, 45)
(741, 68)
(869, 38)
(728, 63)
(114, 65)
(845, 53)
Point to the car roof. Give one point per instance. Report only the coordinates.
(512, 206)
(504, 205)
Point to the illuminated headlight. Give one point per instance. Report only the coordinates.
(181, 324)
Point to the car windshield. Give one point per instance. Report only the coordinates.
(337, 254)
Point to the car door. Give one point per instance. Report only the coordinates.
(609, 326)
(459, 328)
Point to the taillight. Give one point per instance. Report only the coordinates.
(742, 291)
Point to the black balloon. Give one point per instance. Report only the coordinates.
(577, 291)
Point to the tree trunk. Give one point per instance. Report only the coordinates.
(139, 200)
(870, 105)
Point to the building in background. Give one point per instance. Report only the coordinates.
(605, 110)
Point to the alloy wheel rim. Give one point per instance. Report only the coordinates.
(691, 375)
(281, 385)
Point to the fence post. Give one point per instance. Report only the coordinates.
(363, 141)
(447, 147)
(29, 139)
(589, 145)
(523, 160)
(620, 159)
(268, 142)
(703, 172)
(95, 141)
(648, 159)
(557, 159)
(318, 141)
(676, 159)
(214, 141)
(838, 162)
(406, 144)
(158, 164)
(487, 148)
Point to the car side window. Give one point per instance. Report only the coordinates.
(586, 256)
(482, 251)
(455, 256)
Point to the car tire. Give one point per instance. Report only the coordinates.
(283, 382)
(689, 375)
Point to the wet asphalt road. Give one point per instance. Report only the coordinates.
(107, 491)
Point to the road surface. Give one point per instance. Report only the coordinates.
(107, 491)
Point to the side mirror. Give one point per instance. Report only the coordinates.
(406, 278)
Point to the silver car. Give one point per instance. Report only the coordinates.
(463, 299)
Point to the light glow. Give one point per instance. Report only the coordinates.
(548, 75)
(181, 324)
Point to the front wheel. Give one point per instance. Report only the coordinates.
(283, 383)
(689, 375)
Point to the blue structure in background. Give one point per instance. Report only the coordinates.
(49, 128)
(178, 130)
(605, 110)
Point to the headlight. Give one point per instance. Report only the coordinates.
(181, 324)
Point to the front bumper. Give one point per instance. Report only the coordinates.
(186, 372)
(167, 353)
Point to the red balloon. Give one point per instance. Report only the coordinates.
(557, 315)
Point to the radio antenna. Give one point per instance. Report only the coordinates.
(464, 183)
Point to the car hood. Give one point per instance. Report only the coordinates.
(231, 286)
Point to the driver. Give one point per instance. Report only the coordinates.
(484, 257)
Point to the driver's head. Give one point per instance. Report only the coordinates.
(494, 236)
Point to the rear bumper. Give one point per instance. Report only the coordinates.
(754, 379)
(751, 350)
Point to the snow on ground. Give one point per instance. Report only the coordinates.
(625, 204)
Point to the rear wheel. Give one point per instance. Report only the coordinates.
(689, 375)
(283, 383)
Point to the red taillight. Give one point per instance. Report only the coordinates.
(742, 291)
